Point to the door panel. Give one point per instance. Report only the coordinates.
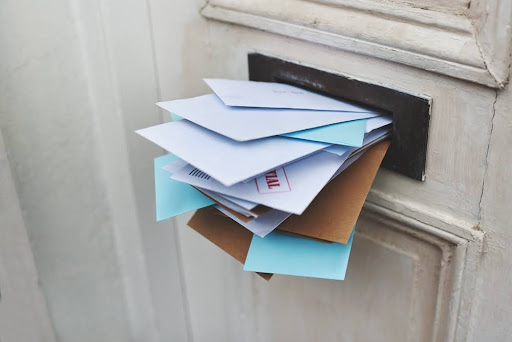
(401, 285)
(24, 316)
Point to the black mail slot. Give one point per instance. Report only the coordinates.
(411, 113)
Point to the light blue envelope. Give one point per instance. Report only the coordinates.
(283, 253)
(172, 197)
(176, 117)
(350, 133)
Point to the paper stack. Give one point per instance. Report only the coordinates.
(281, 173)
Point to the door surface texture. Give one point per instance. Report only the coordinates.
(81, 255)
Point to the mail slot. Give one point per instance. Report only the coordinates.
(411, 112)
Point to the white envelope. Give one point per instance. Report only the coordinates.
(224, 200)
(226, 160)
(290, 188)
(377, 122)
(175, 165)
(347, 163)
(275, 95)
(243, 124)
(243, 203)
(262, 225)
(228, 204)
(179, 163)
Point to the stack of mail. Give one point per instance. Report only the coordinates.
(280, 172)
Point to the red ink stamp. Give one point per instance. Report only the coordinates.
(273, 181)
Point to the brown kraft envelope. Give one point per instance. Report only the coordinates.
(334, 212)
(227, 234)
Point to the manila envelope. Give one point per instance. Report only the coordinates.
(227, 234)
(334, 212)
(331, 216)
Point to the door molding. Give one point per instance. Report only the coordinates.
(460, 251)
(472, 44)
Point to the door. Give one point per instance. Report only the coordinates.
(430, 259)
(424, 251)
(23, 312)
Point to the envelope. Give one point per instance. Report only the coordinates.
(174, 165)
(243, 203)
(232, 213)
(282, 253)
(227, 203)
(262, 225)
(177, 164)
(349, 133)
(244, 124)
(378, 122)
(172, 197)
(275, 95)
(373, 136)
(226, 160)
(224, 233)
(290, 188)
(334, 212)
(327, 214)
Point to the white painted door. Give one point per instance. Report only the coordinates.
(430, 260)
(420, 264)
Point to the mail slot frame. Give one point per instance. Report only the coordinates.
(411, 113)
